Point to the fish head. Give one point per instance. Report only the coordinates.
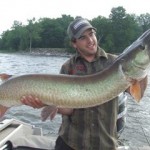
(135, 60)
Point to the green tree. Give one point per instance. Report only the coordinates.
(144, 21)
(20, 33)
(33, 31)
(54, 31)
(11, 39)
(104, 32)
(124, 28)
(114, 33)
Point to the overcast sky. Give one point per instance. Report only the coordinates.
(21, 10)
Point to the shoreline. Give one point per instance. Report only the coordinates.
(49, 54)
(60, 52)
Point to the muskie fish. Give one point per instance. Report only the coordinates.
(84, 91)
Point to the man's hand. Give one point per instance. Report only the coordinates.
(48, 111)
(32, 101)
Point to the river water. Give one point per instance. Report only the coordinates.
(18, 64)
(136, 132)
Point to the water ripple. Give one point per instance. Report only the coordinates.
(17, 64)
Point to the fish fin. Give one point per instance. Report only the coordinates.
(137, 89)
(143, 85)
(5, 76)
(3, 110)
(49, 111)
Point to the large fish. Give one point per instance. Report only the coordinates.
(70, 91)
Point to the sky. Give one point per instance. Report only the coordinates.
(23, 10)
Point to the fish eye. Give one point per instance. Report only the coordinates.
(142, 47)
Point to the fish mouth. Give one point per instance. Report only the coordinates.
(140, 67)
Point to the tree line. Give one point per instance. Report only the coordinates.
(114, 33)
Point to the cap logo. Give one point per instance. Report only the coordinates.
(78, 24)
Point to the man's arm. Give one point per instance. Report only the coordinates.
(65, 111)
(48, 110)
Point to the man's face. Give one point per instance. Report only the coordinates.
(86, 44)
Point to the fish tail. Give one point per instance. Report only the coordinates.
(5, 76)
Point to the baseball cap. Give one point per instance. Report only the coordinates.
(77, 27)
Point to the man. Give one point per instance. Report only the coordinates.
(89, 128)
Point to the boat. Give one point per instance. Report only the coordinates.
(18, 135)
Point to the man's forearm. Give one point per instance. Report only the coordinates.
(65, 111)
